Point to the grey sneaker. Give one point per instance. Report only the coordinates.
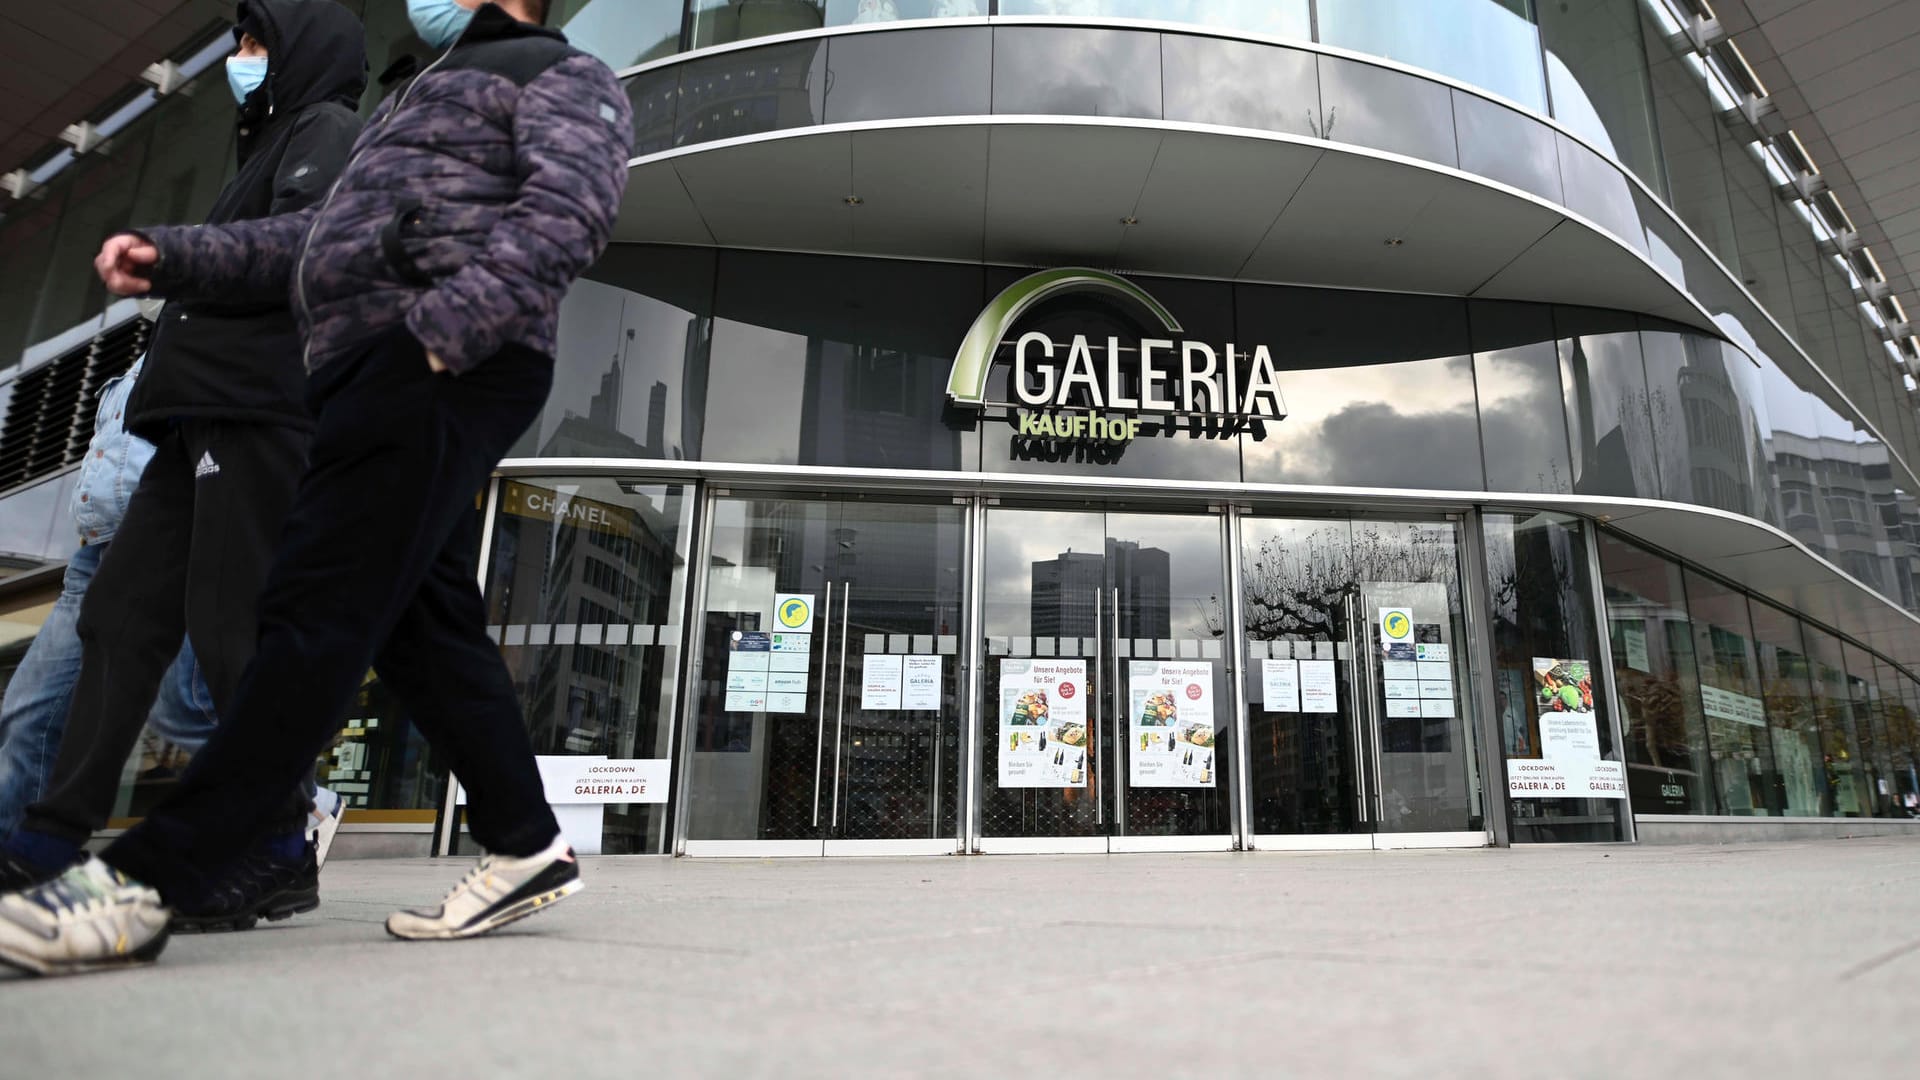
(497, 891)
(88, 919)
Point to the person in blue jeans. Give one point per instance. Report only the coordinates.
(34, 711)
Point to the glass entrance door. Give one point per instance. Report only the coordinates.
(1359, 733)
(1105, 712)
(828, 719)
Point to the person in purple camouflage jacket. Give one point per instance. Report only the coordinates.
(428, 284)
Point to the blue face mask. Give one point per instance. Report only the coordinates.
(438, 22)
(245, 74)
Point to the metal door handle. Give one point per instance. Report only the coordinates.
(1379, 797)
(1099, 660)
(1118, 695)
(1354, 699)
(840, 719)
(820, 723)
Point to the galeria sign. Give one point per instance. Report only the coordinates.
(1062, 388)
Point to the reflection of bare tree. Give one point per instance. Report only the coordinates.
(1211, 620)
(1313, 123)
(1296, 582)
(1544, 594)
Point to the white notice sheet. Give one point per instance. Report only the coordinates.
(1280, 679)
(1319, 687)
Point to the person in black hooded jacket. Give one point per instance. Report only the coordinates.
(223, 398)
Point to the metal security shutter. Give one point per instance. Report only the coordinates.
(50, 412)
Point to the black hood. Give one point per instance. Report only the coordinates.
(316, 52)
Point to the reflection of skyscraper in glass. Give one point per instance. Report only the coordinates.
(1066, 592)
(1144, 577)
(1721, 441)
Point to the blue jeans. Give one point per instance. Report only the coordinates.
(34, 712)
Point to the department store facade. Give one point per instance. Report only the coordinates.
(1176, 426)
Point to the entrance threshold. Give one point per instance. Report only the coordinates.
(1372, 841)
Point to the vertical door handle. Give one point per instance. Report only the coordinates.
(1355, 698)
(1379, 796)
(840, 718)
(1119, 710)
(820, 721)
(1099, 672)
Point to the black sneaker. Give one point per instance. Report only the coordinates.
(258, 887)
(17, 874)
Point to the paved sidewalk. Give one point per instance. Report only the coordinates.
(1748, 961)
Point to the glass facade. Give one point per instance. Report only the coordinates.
(1734, 706)
(1545, 641)
(1652, 687)
(1605, 70)
(839, 361)
(586, 593)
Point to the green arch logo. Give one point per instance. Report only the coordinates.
(968, 382)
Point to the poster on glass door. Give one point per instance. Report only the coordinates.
(1569, 765)
(1171, 724)
(1043, 723)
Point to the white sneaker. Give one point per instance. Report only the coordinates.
(88, 919)
(499, 890)
(321, 827)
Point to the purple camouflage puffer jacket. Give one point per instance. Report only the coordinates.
(469, 204)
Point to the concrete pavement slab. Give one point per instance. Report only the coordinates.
(1751, 960)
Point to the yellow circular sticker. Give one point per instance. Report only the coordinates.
(795, 612)
(1397, 625)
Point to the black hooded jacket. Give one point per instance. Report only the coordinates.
(242, 361)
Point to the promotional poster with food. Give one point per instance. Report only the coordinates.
(1043, 723)
(1569, 764)
(1172, 724)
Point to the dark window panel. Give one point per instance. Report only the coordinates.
(1523, 423)
(910, 73)
(1376, 107)
(751, 91)
(1239, 84)
(1072, 72)
(1501, 144)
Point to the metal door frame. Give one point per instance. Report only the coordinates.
(975, 493)
(826, 844)
(1364, 717)
(1110, 842)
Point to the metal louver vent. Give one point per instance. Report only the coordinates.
(50, 412)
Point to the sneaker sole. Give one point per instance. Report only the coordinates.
(277, 908)
(531, 905)
(140, 957)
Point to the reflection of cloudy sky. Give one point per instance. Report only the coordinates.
(1016, 539)
(1485, 43)
(1523, 420)
(1288, 17)
(1383, 424)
